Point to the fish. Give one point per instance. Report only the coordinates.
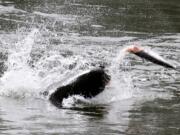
(150, 56)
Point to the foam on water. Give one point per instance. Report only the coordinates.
(20, 83)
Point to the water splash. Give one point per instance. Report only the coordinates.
(120, 87)
(20, 80)
(20, 55)
(118, 60)
(54, 69)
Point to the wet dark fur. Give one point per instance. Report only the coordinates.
(88, 85)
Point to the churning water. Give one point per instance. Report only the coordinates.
(46, 44)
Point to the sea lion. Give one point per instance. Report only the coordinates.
(87, 85)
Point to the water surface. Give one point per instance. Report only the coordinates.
(44, 44)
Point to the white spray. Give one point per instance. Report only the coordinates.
(20, 80)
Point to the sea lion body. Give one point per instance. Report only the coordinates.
(87, 85)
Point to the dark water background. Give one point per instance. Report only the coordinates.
(90, 32)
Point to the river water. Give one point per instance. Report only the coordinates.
(46, 43)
